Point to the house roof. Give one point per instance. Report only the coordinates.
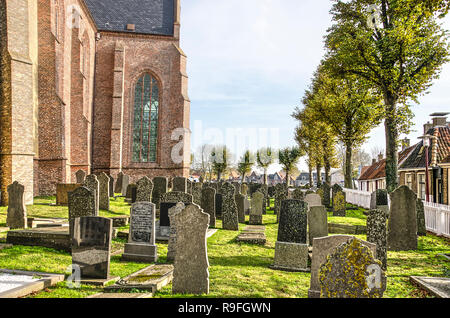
(148, 16)
(418, 160)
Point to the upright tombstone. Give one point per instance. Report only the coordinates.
(421, 227)
(125, 184)
(218, 199)
(402, 227)
(104, 187)
(92, 184)
(81, 203)
(377, 234)
(189, 186)
(379, 200)
(190, 274)
(237, 187)
(256, 217)
(317, 222)
(335, 189)
(298, 194)
(265, 191)
(197, 192)
(160, 187)
(111, 186)
(131, 194)
(17, 211)
(343, 277)
(171, 247)
(80, 175)
(91, 245)
(230, 219)
(244, 189)
(339, 204)
(119, 183)
(209, 204)
(313, 200)
(169, 200)
(179, 184)
(326, 195)
(291, 250)
(281, 194)
(240, 204)
(141, 245)
(322, 247)
(144, 188)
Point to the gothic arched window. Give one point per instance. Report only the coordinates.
(145, 123)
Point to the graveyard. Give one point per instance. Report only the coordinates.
(236, 269)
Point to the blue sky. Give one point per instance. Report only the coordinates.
(249, 63)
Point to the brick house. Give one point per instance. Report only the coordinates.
(97, 85)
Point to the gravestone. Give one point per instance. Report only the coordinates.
(339, 204)
(160, 187)
(131, 194)
(320, 193)
(91, 245)
(240, 204)
(237, 187)
(256, 217)
(402, 227)
(62, 191)
(218, 205)
(298, 194)
(317, 222)
(189, 186)
(191, 275)
(92, 184)
(421, 227)
(271, 191)
(104, 187)
(81, 203)
(377, 234)
(322, 247)
(291, 250)
(144, 188)
(179, 184)
(351, 271)
(264, 190)
(377, 198)
(197, 192)
(335, 189)
(171, 247)
(119, 183)
(313, 200)
(141, 245)
(125, 184)
(111, 186)
(80, 175)
(326, 195)
(169, 200)
(209, 204)
(17, 212)
(281, 194)
(230, 219)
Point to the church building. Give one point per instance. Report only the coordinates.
(96, 85)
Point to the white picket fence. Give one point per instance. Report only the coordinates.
(437, 216)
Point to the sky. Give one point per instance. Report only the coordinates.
(249, 63)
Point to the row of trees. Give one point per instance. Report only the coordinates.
(380, 55)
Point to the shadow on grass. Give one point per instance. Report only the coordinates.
(247, 261)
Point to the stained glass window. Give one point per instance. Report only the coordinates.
(145, 128)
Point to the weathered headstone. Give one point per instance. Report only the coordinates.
(104, 187)
(119, 183)
(197, 193)
(237, 187)
(219, 205)
(421, 227)
(322, 247)
(230, 219)
(264, 190)
(326, 195)
(209, 204)
(125, 184)
(240, 204)
(160, 187)
(377, 234)
(351, 271)
(320, 193)
(81, 203)
(169, 200)
(298, 194)
(17, 212)
(171, 247)
(281, 194)
(179, 184)
(144, 188)
(92, 184)
(402, 227)
(339, 204)
(335, 189)
(141, 245)
(313, 200)
(377, 198)
(91, 245)
(111, 186)
(80, 175)
(131, 194)
(191, 275)
(62, 192)
(189, 186)
(256, 217)
(317, 222)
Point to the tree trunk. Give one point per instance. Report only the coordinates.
(265, 176)
(242, 179)
(391, 132)
(327, 170)
(310, 168)
(348, 166)
(219, 176)
(319, 176)
(287, 178)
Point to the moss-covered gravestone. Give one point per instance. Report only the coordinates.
(377, 234)
(160, 187)
(319, 192)
(298, 194)
(92, 184)
(230, 219)
(339, 204)
(351, 271)
(255, 211)
(281, 194)
(209, 204)
(17, 212)
(179, 184)
(104, 187)
(144, 189)
(171, 247)
(240, 204)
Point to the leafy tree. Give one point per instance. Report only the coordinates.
(245, 164)
(221, 160)
(288, 158)
(265, 158)
(398, 47)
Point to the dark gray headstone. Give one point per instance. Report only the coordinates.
(104, 186)
(281, 194)
(144, 190)
(92, 184)
(326, 195)
(197, 192)
(230, 218)
(240, 204)
(111, 185)
(125, 183)
(179, 184)
(171, 247)
(80, 175)
(17, 211)
(421, 227)
(209, 204)
(293, 222)
(160, 187)
(219, 205)
(119, 183)
(81, 203)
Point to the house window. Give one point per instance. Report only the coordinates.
(421, 191)
(145, 127)
(409, 180)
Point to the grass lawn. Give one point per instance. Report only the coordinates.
(236, 270)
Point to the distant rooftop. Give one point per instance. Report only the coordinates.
(441, 114)
(149, 16)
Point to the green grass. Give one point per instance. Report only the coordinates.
(353, 217)
(238, 270)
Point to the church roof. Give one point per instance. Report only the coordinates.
(148, 16)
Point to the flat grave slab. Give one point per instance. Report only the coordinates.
(437, 286)
(46, 222)
(4, 229)
(151, 278)
(3, 246)
(121, 295)
(446, 256)
(252, 234)
(335, 228)
(15, 284)
(99, 281)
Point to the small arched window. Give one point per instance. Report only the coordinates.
(145, 122)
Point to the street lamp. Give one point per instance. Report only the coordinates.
(427, 143)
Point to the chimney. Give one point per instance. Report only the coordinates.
(131, 27)
(380, 157)
(439, 121)
(406, 143)
(427, 127)
(374, 161)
